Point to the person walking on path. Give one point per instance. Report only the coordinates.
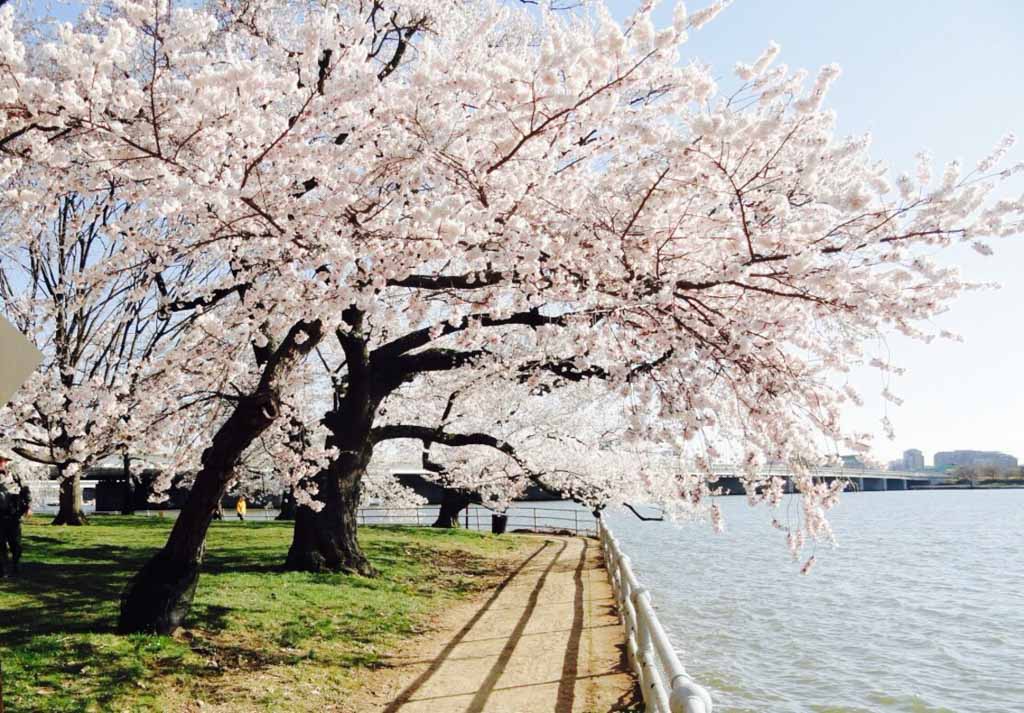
(14, 504)
(240, 508)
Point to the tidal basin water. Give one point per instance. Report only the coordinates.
(920, 608)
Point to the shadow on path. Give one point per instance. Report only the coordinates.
(436, 664)
(546, 640)
(484, 692)
(571, 666)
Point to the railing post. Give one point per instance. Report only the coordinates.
(624, 585)
(688, 697)
(648, 648)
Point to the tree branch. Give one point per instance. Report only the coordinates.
(421, 337)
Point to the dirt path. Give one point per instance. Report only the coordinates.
(546, 640)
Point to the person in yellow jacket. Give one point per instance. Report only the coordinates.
(240, 508)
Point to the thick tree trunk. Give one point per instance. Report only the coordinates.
(69, 511)
(160, 594)
(327, 540)
(453, 503)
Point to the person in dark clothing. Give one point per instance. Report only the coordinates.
(14, 504)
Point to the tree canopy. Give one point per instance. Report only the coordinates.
(421, 187)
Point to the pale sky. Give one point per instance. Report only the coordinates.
(941, 75)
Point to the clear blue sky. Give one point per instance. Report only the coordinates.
(942, 75)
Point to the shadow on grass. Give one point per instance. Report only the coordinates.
(58, 624)
(78, 594)
(76, 588)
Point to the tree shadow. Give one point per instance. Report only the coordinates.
(60, 614)
(435, 665)
(79, 594)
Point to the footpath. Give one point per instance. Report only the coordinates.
(546, 640)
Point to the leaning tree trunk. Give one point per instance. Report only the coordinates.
(159, 596)
(69, 511)
(327, 540)
(452, 503)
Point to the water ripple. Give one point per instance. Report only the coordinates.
(920, 608)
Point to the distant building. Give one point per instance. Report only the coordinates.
(950, 459)
(913, 460)
(852, 461)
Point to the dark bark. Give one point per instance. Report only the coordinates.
(288, 507)
(128, 506)
(160, 594)
(452, 504)
(327, 540)
(69, 511)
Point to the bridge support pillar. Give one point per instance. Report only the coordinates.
(873, 484)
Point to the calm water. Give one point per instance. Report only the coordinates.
(920, 608)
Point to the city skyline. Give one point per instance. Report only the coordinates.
(950, 457)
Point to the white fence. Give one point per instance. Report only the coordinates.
(665, 685)
(558, 516)
(539, 518)
(46, 495)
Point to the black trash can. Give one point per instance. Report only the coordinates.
(498, 524)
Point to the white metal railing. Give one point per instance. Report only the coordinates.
(822, 471)
(665, 685)
(46, 495)
(476, 517)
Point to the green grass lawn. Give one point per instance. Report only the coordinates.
(257, 636)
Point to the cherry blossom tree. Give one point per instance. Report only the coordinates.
(436, 186)
(570, 436)
(97, 336)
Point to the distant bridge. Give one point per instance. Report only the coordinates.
(103, 487)
(859, 479)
